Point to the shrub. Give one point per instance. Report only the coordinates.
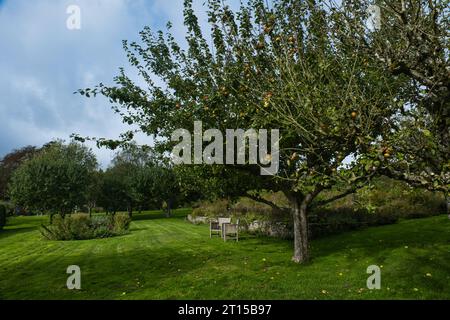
(391, 197)
(58, 230)
(82, 227)
(103, 226)
(121, 223)
(73, 227)
(331, 221)
(2, 216)
(212, 209)
(242, 208)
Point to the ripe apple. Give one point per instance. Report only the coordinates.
(294, 156)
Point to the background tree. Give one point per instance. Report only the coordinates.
(55, 180)
(114, 192)
(94, 190)
(130, 165)
(141, 186)
(11, 162)
(164, 187)
(278, 67)
(145, 180)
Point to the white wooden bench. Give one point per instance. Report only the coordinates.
(216, 227)
(231, 231)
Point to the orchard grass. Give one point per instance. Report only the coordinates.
(169, 258)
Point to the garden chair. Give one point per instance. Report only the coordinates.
(231, 231)
(216, 227)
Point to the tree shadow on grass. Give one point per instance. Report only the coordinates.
(156, 273)
(433, 267)
(5, 233)
(373, 241)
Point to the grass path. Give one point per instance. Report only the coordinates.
(171, 259)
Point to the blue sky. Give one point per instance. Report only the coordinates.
(42, 63)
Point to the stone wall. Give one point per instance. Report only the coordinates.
(198, 220)
(270, 228)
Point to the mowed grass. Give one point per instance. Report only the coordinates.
(172, 259)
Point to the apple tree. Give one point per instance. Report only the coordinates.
(265, 66)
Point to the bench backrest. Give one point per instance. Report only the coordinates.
(231, 228)
(224, 220)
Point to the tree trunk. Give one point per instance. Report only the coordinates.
(130, 211)
(299, 206)
(299, 215)
(90, 211)
(169, 209)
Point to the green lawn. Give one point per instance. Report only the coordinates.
(172, 259)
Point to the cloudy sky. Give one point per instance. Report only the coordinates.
(42, 63)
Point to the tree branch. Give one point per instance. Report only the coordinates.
(414, 180)
(337, 197)
(267, 202)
